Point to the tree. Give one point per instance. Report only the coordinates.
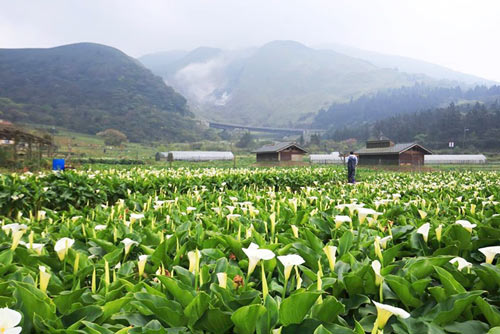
(112, 137)
(245, 141)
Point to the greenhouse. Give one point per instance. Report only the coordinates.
(437, 159)
(194, 156)
(333, 158)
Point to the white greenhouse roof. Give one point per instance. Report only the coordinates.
(326, 158)
(454, 159)
(200, 155)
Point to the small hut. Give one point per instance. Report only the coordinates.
(285, 151)
(385, 152)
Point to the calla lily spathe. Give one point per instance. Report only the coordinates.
(289, 261)
(384, 312)
(128, 243)
(424, 231)
(255, 255)
(62, 246)
(462, 263)
(490, 253)
(342, 219)
(466, 224)
(142, 263)
(330, 252)
(9, 319)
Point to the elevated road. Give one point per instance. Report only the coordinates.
(278, 131)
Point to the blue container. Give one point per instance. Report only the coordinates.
(57, 164)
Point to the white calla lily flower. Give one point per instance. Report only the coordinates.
(342, 219)
(100, 227)
(62, 246)
(462, 263)
(9, 319)
(330, 252)
(376, 266)
(128, 244)
(424, 231)
(466, 224)
(490, 253)
(142, 264)
(255, 255)
(384, 312)
(289, 261)
(222, 278)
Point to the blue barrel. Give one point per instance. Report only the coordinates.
(57, 164)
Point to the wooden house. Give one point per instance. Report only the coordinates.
(286, 151)
(385, 152)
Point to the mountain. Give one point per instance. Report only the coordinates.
(282, 83)
(409, 65)
(88, 88)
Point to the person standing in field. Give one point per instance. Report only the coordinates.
(352, 162)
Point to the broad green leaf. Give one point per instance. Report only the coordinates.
(450, 284)
(450, 309)
(403, 289)
(245, 318)
(294, 308)
(196, 308)
(328, 310)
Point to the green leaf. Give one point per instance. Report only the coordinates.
(422, 267)
(164, 309)
(328, 310)
(215, 321)
(182, 293)
(322, 330)
(245, 318)
(33, 301)
(113, 307)
(196, 308)
(490, 312)
(450, 284)
(269, 320)
(471, 326)
(95, 329)
(450, 309)
(345, 243)
(403, 289)
(294, 308)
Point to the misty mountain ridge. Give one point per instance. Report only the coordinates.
(89, 87)
(282, 83)
(409, 65)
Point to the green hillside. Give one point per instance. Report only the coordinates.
(90, 87)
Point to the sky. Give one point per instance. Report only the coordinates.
(460, 34)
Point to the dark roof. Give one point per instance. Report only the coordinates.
(277, 147)
(396, 149)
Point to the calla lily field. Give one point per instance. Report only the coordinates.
(276, 250)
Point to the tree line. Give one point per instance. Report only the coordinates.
(468, 126)
(372, 107)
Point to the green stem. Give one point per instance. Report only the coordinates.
(284, 288)
(381, 293)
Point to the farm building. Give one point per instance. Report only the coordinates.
(385, 152)
(286, 151)
(333, 158)
(194, 156)
(455, 159)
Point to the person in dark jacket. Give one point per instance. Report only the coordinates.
(352, 162)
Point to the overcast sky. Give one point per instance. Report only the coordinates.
(461, 34)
